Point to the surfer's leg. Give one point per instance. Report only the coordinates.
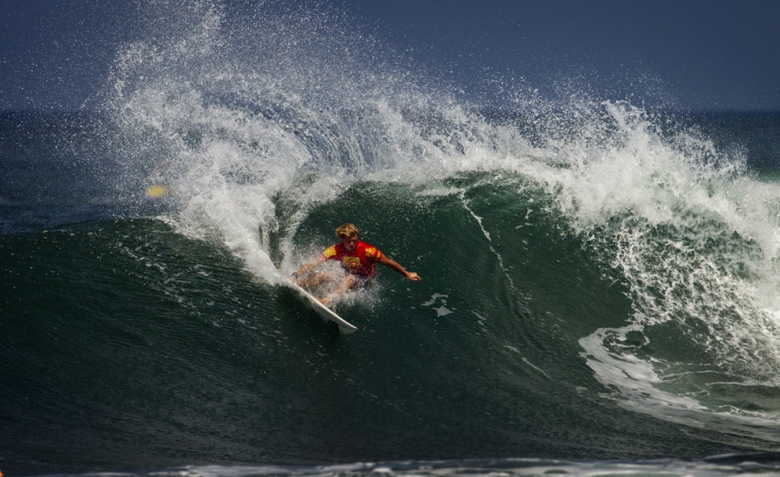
(345, 286)
(314, 280)
(348, 283)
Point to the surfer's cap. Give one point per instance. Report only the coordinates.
(347, 230)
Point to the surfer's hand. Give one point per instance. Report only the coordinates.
(413, 276)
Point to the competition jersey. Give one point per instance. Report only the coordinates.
(360, 262)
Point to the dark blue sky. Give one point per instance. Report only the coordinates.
(692, 54)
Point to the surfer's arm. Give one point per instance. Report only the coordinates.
(392, 264)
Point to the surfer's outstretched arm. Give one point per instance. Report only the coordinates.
(392, 264)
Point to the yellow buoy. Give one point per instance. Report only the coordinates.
(157, 191)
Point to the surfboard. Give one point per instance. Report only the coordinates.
(327, 315)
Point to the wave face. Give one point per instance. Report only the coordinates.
(599, 281)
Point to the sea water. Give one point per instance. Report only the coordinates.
(599, 292)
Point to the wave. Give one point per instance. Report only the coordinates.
(261, 127)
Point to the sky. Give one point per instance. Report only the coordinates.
(681, 54)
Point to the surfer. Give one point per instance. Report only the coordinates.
(358, 258)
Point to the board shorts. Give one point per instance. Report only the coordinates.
(362, 282)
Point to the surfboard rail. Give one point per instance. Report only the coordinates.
(327, 315)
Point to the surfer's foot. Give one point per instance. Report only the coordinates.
(326, 300)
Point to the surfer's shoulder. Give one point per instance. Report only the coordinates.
(329, 252)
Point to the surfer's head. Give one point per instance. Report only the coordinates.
(347, 231)
(348, 234)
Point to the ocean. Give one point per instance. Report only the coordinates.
(599, 287)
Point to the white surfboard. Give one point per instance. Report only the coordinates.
(328, 316)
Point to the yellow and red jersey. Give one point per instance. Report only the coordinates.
(360, 262)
